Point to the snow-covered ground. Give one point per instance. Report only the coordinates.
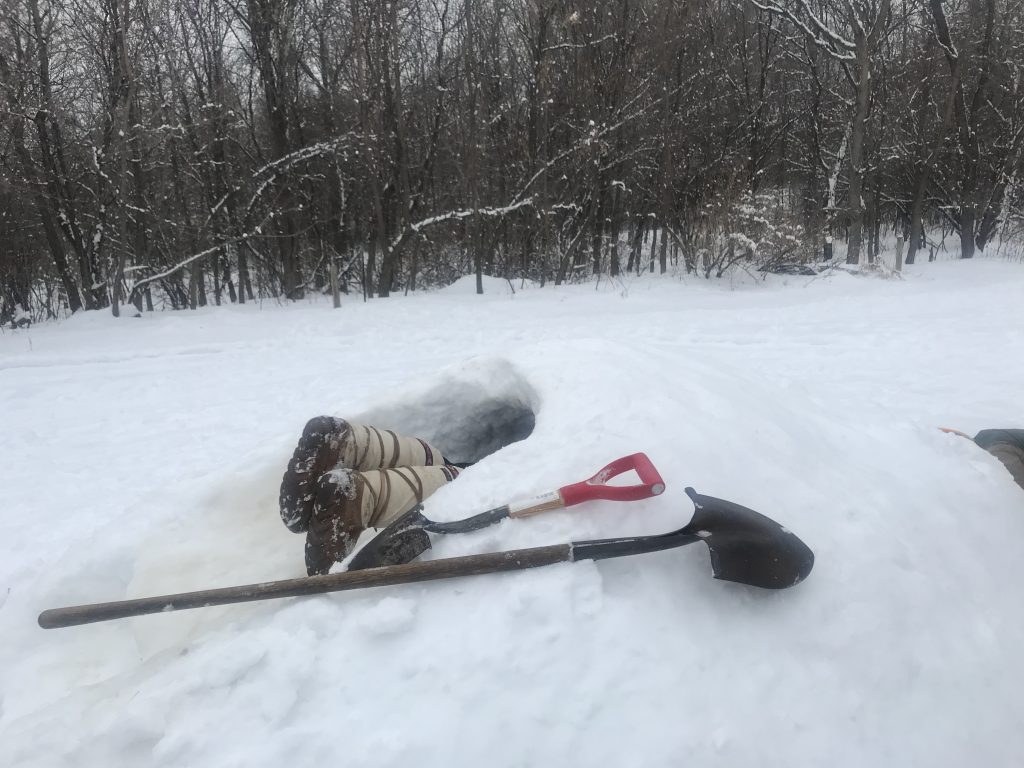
(143, 456)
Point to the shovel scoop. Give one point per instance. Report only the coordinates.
(747, 547)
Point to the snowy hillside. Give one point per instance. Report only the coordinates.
(143, 456)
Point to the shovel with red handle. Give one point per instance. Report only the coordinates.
(406, 538)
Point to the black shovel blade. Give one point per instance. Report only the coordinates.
(746, 546)
(401, 542)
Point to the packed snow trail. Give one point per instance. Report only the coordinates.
(142, 456)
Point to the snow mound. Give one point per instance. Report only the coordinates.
(813, 401)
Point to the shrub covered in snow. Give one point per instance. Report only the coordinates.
(755, 230)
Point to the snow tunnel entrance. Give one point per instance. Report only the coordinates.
(469, 413)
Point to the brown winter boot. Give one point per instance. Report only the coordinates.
(328, 442)
(347, 502)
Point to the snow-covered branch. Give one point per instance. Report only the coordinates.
(570, 46)
(816, 30)
(194, 257)
(274, 169)
(465, 213)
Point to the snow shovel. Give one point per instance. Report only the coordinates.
(745, 546)
(406, 538)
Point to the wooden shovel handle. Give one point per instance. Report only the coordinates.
(430, 570)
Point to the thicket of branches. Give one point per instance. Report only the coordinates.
(190, 151)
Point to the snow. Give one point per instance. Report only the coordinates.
(144, 458)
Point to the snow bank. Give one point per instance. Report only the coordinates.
(812, 400)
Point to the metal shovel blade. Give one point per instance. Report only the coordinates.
(401, 542)
(746, 546)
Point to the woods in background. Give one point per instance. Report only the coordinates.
(183, 152)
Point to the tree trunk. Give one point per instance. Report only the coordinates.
(123, 122)
(265, 25)
(917, 213)
(51, 231)
(371, 267)
(614, 229)
(597, 234)
(923, 166)
(967, 216)
(636, 238)
(654, 245)
(855, 206)
(663, 256)
(967, 117)
(59, 186)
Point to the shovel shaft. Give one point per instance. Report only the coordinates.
(474, 523)
(430, 570)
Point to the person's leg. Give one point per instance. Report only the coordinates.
(328, 442)
(348, 501)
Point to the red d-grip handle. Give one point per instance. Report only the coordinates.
(596, 487)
